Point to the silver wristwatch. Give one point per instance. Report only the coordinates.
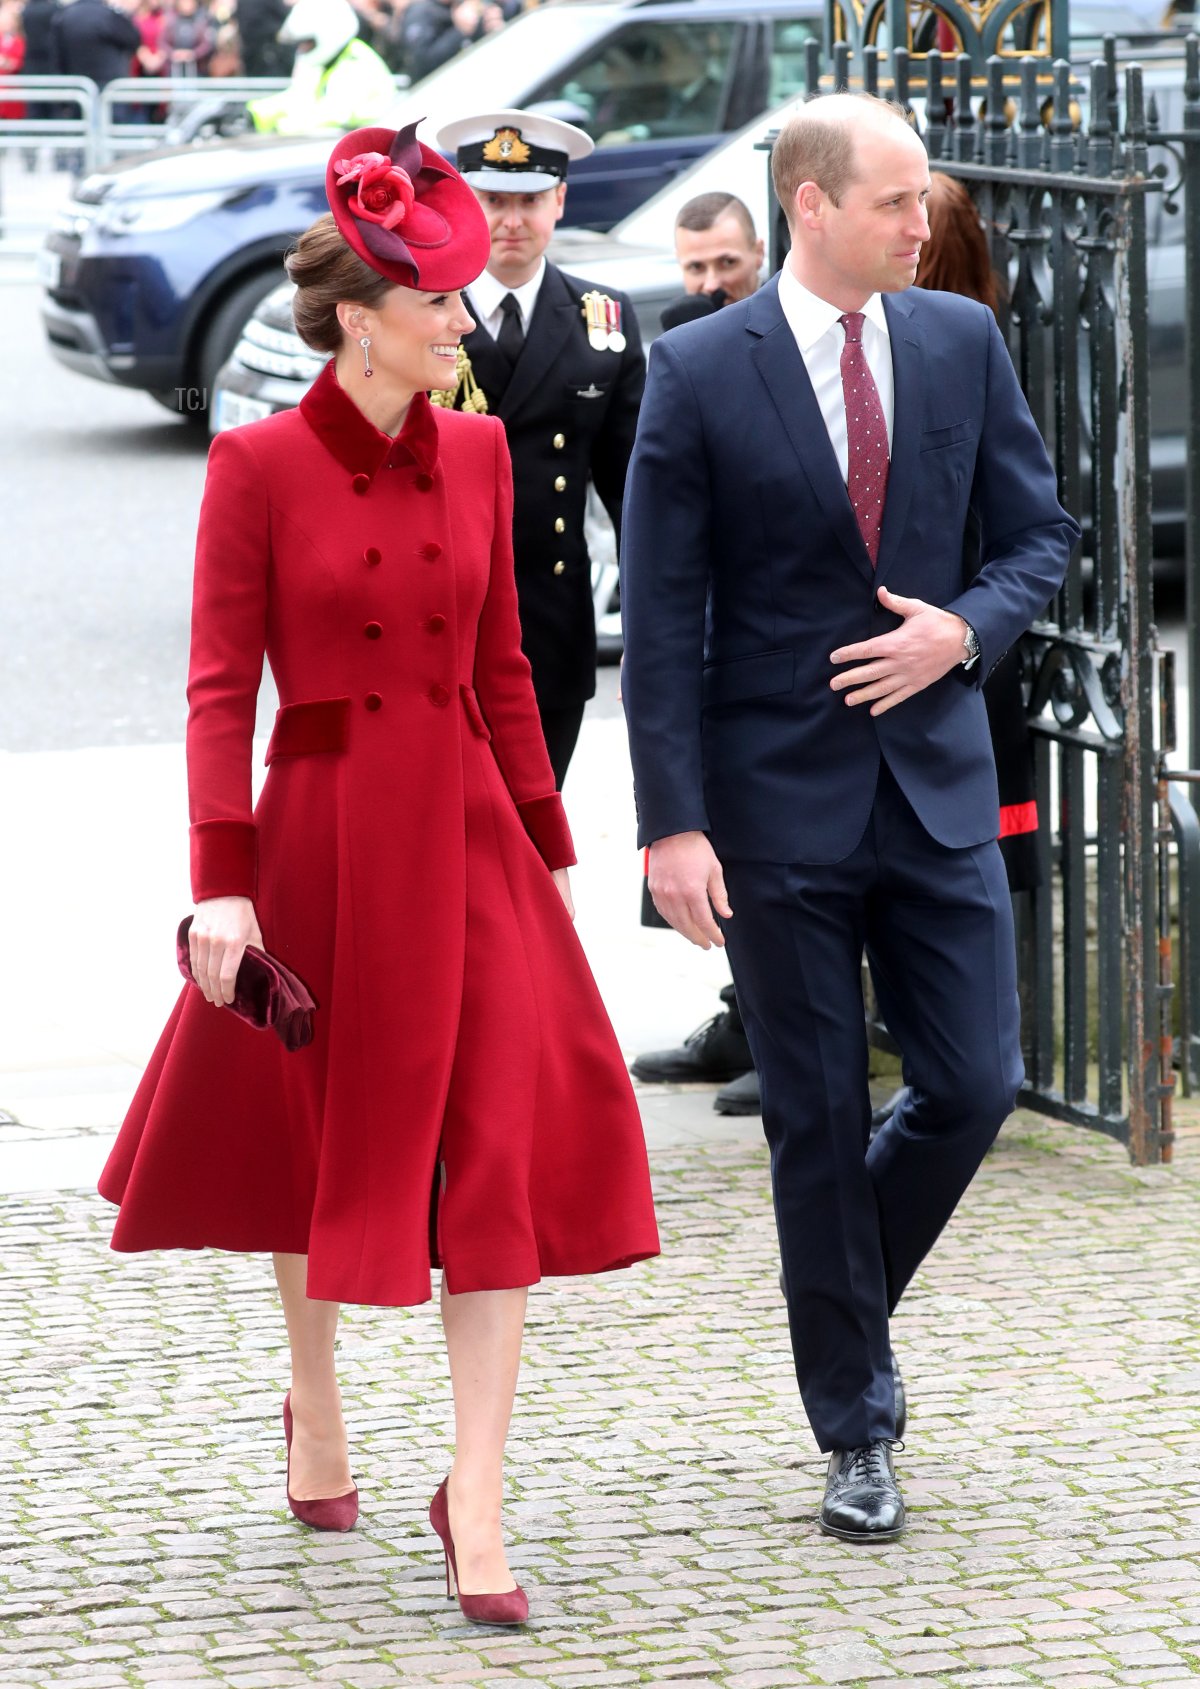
(970, 645)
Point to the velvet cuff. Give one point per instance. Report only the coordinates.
(224, 859)
(545, 821)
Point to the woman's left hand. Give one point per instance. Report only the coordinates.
(563, 881)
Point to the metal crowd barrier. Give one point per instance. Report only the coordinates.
(79, 127)
(72, 126)
(61, 121)
(119, 133)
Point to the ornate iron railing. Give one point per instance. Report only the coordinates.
(1063, 163)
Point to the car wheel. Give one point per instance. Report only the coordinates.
(223, 331)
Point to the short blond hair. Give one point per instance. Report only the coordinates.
(820, 149)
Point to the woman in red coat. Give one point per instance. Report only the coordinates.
(463, 1102)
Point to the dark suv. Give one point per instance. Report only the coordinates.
(155, 266)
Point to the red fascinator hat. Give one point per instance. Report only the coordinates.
(405, 211)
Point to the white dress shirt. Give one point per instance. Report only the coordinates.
(821, 337)
(486, 293)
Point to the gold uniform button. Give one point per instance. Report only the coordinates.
(560, 483)
(560, 441)
(559, 568)
(560, 527)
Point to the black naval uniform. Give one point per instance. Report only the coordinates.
(570, 413)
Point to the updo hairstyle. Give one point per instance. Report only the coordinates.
(327, 271)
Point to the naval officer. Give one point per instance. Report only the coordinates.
(560, 362)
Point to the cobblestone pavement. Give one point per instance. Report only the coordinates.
(662, 1488)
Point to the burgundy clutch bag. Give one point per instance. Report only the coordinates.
(266, 994)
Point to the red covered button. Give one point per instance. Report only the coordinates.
(372, 555)
(373, 701)
(424, 482)
(432, 551)
(439, 696)
(374, 630)
(436, 624)
(360, 483)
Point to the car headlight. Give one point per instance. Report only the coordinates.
(152, 216)
(74, 220)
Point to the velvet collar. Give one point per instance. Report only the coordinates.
(357, 444)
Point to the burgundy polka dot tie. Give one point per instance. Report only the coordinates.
(866, 436)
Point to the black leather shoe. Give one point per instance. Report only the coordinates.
(740, 1096)
(862, 1499)
(714, 1053)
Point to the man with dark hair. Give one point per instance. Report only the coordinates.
(719, 253)
(717, 247)
(804, 657)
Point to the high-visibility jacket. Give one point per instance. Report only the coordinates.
(354, 90)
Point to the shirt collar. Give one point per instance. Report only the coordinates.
(355, 442)
(810, 317)
(487, 292)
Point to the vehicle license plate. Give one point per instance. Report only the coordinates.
(49, 268)
(232, 409)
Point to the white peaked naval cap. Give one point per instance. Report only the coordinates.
(513, 152)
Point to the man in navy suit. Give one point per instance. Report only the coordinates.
(814, 776)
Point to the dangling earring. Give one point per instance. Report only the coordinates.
(365, 343)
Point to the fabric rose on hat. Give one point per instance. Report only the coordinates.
(384, 192)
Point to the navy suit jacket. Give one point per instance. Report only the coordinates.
(743, 569)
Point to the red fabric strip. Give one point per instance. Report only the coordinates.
(1018, 818)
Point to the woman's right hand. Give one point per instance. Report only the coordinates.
(221, 929)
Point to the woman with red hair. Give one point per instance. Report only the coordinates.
(956, 259)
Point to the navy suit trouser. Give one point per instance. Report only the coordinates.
(855, 1221)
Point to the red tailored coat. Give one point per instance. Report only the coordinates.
(463, 1101)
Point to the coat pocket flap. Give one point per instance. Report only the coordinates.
(932, 438)
(479, 726)
(322, 724)
(757, 676)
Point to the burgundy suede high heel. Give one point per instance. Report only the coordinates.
(512, 1607)
(323, 1513)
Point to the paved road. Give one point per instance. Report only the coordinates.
(662, 1487)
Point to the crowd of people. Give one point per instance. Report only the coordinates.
(107, 39)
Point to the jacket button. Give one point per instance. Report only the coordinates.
(560, 527)
(438, 695)
(373, 701)
(374, 630)
(559, 567)
(560, 483)
(424, 483)
(361, 483)
(432, 551)
(560, 441)
(372, 555)
(436, 624)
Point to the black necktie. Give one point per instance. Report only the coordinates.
(511, 337)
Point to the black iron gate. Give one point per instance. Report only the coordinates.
(1063, 163)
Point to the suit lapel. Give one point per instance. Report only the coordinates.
(907, 382)
(554, 314)
(777, 358)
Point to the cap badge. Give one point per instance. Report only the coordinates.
(506, 147)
